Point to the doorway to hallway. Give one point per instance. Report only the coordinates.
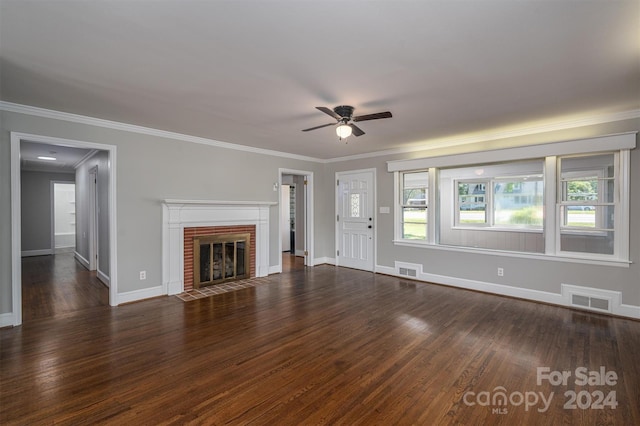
(295, 219)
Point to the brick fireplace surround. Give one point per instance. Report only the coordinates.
(200, 231)
(181, 217)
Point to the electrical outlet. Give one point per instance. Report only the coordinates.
(143, 275)
(501, 272)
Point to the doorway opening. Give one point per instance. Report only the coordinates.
(63, 217)
(289, 216)
(20, 143)
(295, 219)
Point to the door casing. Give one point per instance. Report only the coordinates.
(16, 233)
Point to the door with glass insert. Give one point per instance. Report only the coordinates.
(355, 220)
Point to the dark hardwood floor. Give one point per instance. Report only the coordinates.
(291, 262)
(321, 345)
(58, 285)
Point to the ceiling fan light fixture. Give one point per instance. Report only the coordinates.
(344, 117)
(343, 131)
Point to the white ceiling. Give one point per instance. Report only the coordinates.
(251, 72)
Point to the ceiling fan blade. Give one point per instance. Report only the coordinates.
(357, 131)
(329, 112)
(375, 116)
(319, 127)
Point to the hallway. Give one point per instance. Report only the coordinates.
(291, 262)
(58, 285)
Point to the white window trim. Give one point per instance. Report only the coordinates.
(433, 219)
(580, 146)
(620, 145)
(622, 215)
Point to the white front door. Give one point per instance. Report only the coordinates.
(355, 219)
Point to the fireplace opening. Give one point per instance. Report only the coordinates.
(220, 258)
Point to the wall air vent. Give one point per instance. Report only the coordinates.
(408, 272)
(589, 302)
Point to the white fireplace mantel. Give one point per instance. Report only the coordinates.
(180, 214)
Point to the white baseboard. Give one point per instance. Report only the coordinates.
(103, 277)
(173, 288)
(43, 252)
(299, 253)
(60, 250)
(135, 295)
(262, 271)
(560, 299)
(627, 311)
(84, 262)
(275, 269)
(7, 320)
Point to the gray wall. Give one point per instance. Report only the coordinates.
(5, 218)
(543, 275)
(150, 169)
(35, 193)
(83, 208)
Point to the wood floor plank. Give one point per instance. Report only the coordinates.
(323, 345)
(58, 285)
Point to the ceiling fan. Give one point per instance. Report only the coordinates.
(344, 115)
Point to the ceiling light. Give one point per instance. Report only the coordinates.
(343, 131)
(42, 157)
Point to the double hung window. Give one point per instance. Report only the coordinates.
(414, 204)
(587, 201)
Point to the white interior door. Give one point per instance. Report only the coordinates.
(355, 220)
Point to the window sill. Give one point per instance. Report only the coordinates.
(495, 228)
(585, 232)
(537, 256)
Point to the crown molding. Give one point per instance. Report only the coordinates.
(99, 122)
(489, 136)
(424, 146)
